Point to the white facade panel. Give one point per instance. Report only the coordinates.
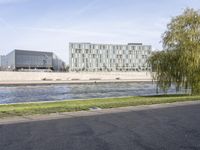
(107, 57)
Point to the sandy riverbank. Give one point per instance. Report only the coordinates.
(20, 78)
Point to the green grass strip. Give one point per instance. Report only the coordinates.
(24, 109)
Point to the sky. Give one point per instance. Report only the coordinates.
(49, 25)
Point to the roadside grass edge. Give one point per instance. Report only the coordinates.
(24, 109)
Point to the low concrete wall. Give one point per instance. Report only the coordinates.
(38, 76)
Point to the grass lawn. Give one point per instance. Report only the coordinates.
(66, 106)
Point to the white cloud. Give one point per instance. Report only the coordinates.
(44, 34)
(57, 39)
(79, 32)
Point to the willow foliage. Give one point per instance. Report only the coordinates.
(179, 63)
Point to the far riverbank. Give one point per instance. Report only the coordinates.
(35, 78)
(32, 83)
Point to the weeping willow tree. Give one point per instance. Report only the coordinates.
(179, 62)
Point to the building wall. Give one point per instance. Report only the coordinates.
(23, 59)
(33, 59)
(2, 62)
(10, 61)
(58, 64)
(1, 67)
(107, 57)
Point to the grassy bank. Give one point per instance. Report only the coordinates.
(66, 106)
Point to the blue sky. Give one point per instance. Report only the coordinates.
(50, 25)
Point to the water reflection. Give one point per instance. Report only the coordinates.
(75, 91)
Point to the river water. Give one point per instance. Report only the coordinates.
(17, 94)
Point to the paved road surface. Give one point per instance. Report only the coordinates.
(164, 128)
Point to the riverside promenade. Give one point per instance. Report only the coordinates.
(20, 78)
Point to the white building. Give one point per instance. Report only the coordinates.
(108, 57)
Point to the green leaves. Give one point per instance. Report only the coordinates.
(179, 63)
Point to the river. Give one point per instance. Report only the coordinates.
(18, 94)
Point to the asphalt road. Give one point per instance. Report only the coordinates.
(164, 128)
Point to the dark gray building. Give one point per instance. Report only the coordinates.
(2, 62)
(58, 64)
(24, 59)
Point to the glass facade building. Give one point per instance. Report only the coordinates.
(108, 57)
(2, 62)
(23, 59)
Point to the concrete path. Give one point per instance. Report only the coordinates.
(169, 126)
(47, 82)
(30, 78)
